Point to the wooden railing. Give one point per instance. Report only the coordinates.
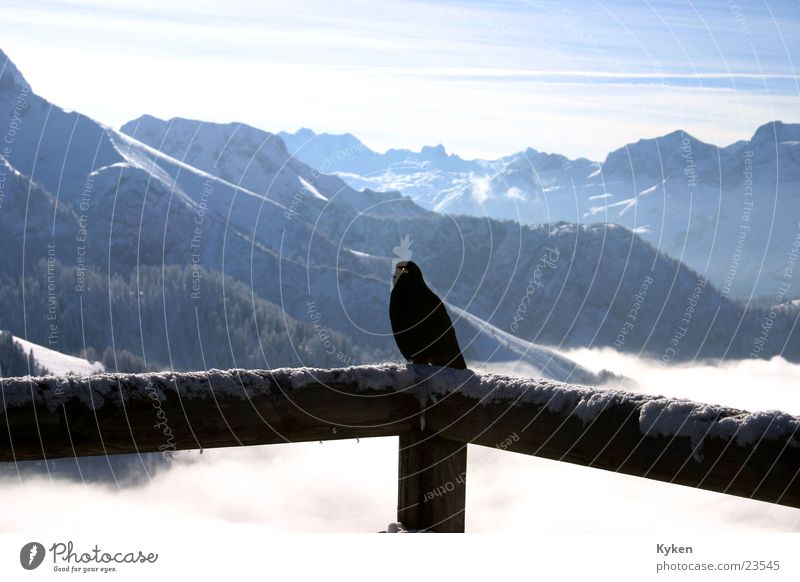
(435, 412)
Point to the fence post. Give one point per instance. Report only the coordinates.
(431, 489)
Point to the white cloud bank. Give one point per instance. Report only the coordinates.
(749, 384)
(351, 487)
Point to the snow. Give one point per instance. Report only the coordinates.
(491, 344)
(309, 187)
(658, 416)
(651, 189)
(684, 418)
(177, 175)
(58, 363)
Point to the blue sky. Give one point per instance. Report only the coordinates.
(483, 78)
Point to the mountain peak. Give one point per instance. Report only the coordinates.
(777, 131)
(145, 120)
(676, 134)
(437, 150)
(305, 133)
(306, 136)
(673, 137)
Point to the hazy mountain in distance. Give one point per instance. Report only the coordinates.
(346, 153)
(428, 176)
(727, 212)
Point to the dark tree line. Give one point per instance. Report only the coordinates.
(151, 320)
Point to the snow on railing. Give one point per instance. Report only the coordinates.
(435, 411)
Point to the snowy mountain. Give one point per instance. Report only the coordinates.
(221, 198)
(430, 177)
(490, 344)
(114, 203)
(228, 202)
(479, 265)
(727, 212)
(258, 161)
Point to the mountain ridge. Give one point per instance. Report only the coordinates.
(229, 199)
(682, 194)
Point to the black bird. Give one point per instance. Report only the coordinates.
(422, 329)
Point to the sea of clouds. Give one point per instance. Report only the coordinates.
(350, 486)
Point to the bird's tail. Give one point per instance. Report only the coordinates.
(458, 362)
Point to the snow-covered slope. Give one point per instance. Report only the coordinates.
(57, 363)
(485, 344)
(258, 161)
(137, 204)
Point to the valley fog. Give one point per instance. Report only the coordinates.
(350, 486)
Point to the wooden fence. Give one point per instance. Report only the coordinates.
(435, 412)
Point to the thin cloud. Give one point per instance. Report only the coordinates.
(485, 80)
